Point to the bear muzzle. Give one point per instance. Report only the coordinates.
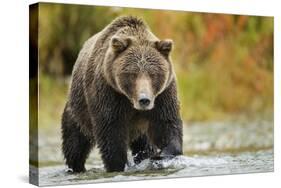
(144, 102)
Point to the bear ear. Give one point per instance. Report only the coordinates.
(164, 46)
(119, 44)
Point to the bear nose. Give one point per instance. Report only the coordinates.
(144, 102)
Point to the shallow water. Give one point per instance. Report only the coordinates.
(213, 149)
(181, 166)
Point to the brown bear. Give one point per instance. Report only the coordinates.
(123, 95)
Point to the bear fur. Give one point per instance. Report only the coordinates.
(123, 95)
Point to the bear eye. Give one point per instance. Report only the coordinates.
(129, 75)
(154, 76)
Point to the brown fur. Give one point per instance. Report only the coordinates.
(112, 69)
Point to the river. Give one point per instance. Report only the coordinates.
(209, 149)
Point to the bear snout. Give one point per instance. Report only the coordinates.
(144, 102)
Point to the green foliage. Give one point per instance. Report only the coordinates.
(223, 63)
(33, 106)
(62, 31)
(52, 98)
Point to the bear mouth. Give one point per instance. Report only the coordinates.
(143, 108)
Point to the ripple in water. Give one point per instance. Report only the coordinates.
(180, 166)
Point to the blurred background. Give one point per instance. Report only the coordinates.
(224, 67)
(224, 63)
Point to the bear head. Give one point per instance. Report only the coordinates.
(139, 69)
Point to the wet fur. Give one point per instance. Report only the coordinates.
(98, 113)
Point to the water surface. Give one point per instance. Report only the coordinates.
(209, 149)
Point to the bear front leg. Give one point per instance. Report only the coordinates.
(142, 149)
(165, 129)
(167, 136)
(75, 146)
(112, 142)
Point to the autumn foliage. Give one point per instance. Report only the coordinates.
(224, 63)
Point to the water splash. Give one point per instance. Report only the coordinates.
(178, 162)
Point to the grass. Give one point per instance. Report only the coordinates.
(214, 92)
(52, 98)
